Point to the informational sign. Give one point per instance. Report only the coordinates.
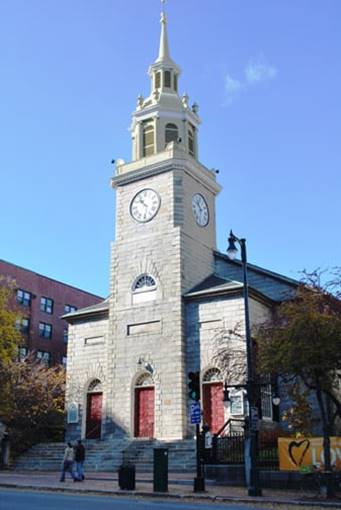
(195, 413)
(295, 453)
(208, 440)
(72, 413)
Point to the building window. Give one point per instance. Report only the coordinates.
(212, 375)
(66, 335)
(45, 330)
(148, 140)
(22, 353)
(143, 283)
(95, 386)
(64, 361)
(266, 399)
(46, 305)
(69, 308)
(175, 82)
(24, 297)
(157, 80)
(191, 140)
(171, 133)
(144, 289)
(22, 325)
(167, 79)
(44, 357)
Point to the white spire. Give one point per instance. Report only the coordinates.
(163, 48)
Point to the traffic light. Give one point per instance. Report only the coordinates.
(194, 386)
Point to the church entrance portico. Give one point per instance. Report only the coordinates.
(144, 412)
(94, 411)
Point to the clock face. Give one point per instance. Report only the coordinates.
(145, 205)
(200, 210)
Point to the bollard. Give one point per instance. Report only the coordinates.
(126, 477)
(160, 480)
(5, 451)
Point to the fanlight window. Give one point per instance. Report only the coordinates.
(171, 133)
(212, 375)
(148, 140)
(95, 386)
(143, 283)
(144, 380)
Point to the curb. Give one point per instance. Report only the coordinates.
(183, 497)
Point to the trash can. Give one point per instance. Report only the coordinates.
(5, 451)
(126, 477)
(160, 469)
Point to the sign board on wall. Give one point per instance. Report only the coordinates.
(296, 453)
(72, 413)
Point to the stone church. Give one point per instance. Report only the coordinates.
(173, 296)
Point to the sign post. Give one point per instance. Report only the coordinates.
(199, 480)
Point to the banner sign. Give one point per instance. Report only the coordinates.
(295, 453)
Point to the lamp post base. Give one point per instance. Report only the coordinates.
(199, 484)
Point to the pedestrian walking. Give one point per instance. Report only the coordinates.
(79, 460)
(67, 464)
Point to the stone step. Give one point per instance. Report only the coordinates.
(109, 455)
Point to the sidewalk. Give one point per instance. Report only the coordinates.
(180, 485)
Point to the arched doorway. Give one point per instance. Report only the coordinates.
(144, 406)
(213, 406)
(94, 410)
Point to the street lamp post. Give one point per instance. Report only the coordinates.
(251, 472)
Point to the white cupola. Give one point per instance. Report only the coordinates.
(164, 117)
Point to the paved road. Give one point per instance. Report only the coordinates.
(19, 500)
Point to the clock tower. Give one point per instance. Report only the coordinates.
(164, 246)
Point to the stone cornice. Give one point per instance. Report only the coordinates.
(137, 170)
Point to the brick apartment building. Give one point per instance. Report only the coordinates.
(41, 301)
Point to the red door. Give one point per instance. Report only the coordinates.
(144, 412)
(213, 406)
(94, 416)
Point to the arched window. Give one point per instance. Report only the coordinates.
(212, 375)
(95, 386)
(167, 77)
(144, 289)
(148, 140)
(171, 133)
(144, 380)
(144, 282)
(191, 140)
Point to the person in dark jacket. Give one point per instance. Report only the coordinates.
(79, 460)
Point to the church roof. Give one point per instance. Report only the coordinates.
(272, 285)
(214, 284)
(101, 308)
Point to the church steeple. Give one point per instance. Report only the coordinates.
(164, 72)
(164, 116)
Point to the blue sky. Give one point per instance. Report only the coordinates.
(266, 75)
